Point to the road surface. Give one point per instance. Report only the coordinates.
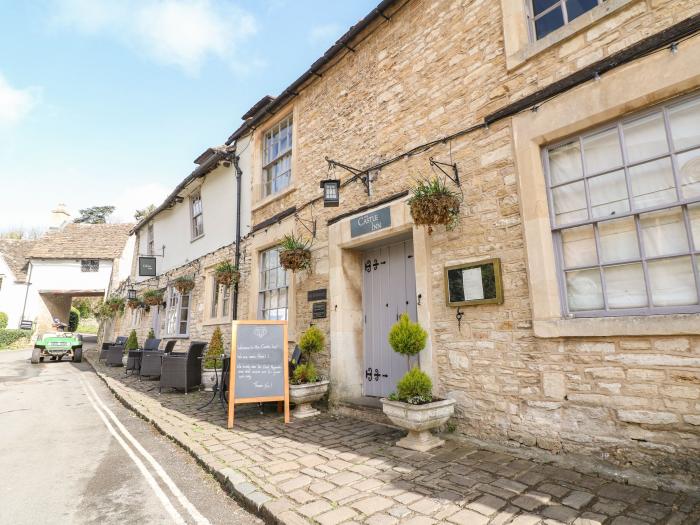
(71, 453)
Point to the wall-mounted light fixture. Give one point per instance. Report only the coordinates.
(331, 192)
(131, 293)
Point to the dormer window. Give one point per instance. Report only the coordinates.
(550, 15)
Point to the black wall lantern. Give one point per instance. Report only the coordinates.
(131, 293)
(331, 192)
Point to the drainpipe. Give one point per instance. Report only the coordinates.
(239, 176)
(26, 293)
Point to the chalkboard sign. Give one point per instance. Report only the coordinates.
(474, 283)
(259, 364)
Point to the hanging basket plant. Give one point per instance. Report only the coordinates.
(295, 254)
(226, 273)
(153, 297)
(184, 284)
(134, 303)
(432, 203)
(115, 304)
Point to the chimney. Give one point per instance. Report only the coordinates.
(59, 217)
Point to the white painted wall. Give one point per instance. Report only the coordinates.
(11, 295)
(65, 274)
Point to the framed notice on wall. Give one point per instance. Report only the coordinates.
(259, 369)
(474, 283)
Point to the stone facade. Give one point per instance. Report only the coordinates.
(435, 68)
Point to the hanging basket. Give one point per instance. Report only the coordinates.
(297, 259)
(153, 297)
(435, 209)
(184, 284)
(116, 304)
(133, 303)
(226, 274)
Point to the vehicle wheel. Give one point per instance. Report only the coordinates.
(59, 358)
(41, 359)
(77, 355)
(36, 356)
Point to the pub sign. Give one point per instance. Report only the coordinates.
(370, 222)
(147, 266)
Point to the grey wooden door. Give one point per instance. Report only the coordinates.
(389, 289)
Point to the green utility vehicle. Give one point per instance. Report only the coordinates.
(57, 345)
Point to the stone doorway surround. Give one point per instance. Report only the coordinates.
(345, 300)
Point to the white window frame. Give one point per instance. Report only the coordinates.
(197, 231)
(174, 313)
(559, 4)
(271, 159)
(266, 293)
(89, 265)
(150, 240)
(218, 307)
(693, 251)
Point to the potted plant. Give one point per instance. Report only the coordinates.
(226, 273)
(151, 334)
(153, 297)
(306, 386)
(412, 405)
(134, 303)
(116, 304)
(184, 284)
(132, 343)
(296, 253)
(433, 203)
(216, 348)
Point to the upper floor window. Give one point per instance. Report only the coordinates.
(272, 302)
(89, 265)
(625, 212)
(196, 215)
(549, 15)
(150, 240)
(277, 157)
(177, 314)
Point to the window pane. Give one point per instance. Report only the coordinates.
(608, 194)
(569, 203)
(565, 163)
(624, 286)
(583, 290)
(578, 245)
(576, 8)
(540, 5)
(645, 137)
(602, 151)
(672, 282)
(689, 170)
(652, 184)
(618, 240)
(694, 216)
(663, 232)
(549, 22)
(684, 124)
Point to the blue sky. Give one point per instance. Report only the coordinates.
(110, 101)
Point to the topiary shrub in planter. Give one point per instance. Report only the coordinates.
(151, 334)
(3, 320)
(295, 254)
(132, 342)
(184, 284)
(153, 297)
(226, 273)
(412, 406)
(214, 351)
(433, 203)
(305, 385)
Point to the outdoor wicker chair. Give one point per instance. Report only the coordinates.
(133, 362)
(151, 360)
(114, 355)
(121, 340)
(183, 370)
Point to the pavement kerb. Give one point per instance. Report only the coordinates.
(233, 482)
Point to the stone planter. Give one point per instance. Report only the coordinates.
(209, 377)
(125, 359)
(419, 420)
(305, 394)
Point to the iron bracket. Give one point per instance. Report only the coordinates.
(454, 177)
(309, 225)
(361, 175)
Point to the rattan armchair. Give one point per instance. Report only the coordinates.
(114, 355)
(183, 370)
(121, 340)
(151, 360)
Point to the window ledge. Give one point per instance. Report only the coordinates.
(212, 322)
(176, 336)
(672, 324)
(531, 49)
(272, 198)
(196, 238)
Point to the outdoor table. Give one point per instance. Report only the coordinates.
(216, 389)
(136, 363)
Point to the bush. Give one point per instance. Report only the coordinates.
(312, 341)
(415, 388)
(151, 335)
(216, 348)
(407, 337)
(83, 305)
(305, 373)
(73, 319)
(132, 343)
(8, 337)
(3, 320)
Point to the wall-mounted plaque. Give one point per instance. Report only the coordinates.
(318, 310)
(317, 295)
(147, 266)
(370, 222)
(474, 283)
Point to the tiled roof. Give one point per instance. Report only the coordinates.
(82, 241)
(14, 252)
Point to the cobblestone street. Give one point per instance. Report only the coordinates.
(333, 470)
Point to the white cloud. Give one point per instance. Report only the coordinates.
(324, 34)
(182, 33)
(15, 104)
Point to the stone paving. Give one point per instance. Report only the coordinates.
(337, 470)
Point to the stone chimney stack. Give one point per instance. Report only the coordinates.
(59, 217)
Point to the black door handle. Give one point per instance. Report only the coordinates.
(376, 374)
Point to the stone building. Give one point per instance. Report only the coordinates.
(574, 128)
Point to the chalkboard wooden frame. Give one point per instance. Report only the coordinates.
(232, 400)
(494, 281)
